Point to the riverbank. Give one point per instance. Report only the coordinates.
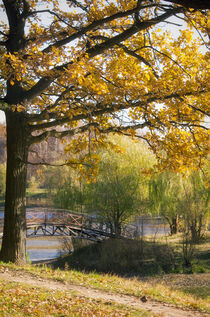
(142, 257)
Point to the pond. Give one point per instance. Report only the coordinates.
(40, 249)
(151, 226)
(45, 248)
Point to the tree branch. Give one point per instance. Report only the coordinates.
(79, 5)
(161, 53)
(98, 49)
(195, 4)
(69, 163)
(90, 27)
(129, 52)
(106, 108)
(46, 111)
(61, 134)
(116, 129)
(56, 15)
(140, 58)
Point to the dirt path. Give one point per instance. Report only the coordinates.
(164, 310)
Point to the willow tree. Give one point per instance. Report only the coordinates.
(121, 189)
(70, 68)
(165, 194)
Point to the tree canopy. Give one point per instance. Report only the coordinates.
(68, 62)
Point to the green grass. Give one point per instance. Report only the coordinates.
(37, 197)
(199, 292)
(37, 191)
(122, 257)
(22, 300)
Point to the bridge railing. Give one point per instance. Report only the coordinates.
(43, 217)
(54, 217)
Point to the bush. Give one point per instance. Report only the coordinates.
(123, 256)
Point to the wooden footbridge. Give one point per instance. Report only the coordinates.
(56, 222)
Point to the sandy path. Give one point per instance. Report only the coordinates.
(164, 310)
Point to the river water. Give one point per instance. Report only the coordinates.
(46, 248)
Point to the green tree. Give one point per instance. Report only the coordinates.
(68, 195)
(63, 187)
(33, 184)
(165, 191)
(173, 196)
(120, 191)
(194, 204)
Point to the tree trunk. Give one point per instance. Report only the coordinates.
(174, 225)
(14, 235)
(117, 228)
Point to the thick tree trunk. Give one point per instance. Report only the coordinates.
(14, 235)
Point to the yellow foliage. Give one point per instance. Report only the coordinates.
(159, 80)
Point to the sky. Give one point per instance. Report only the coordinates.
(2, 117)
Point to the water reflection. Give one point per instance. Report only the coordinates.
(43, 242)
(42, 249)
(34, 255)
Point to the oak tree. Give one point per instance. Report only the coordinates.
(84, 68)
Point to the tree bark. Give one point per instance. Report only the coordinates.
(14, 235)
(117, 225)
(174, 225)
(195, 4)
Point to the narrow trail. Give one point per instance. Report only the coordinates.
(159, 308)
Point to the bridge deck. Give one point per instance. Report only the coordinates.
(58, 222)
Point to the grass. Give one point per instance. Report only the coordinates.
(34, 192)
(184, 290)
(22, 300)
(37, 197)
(115, 284)
(201, 256)
(135, 258)
(122, 257)
(197, 291)
(197, 285)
